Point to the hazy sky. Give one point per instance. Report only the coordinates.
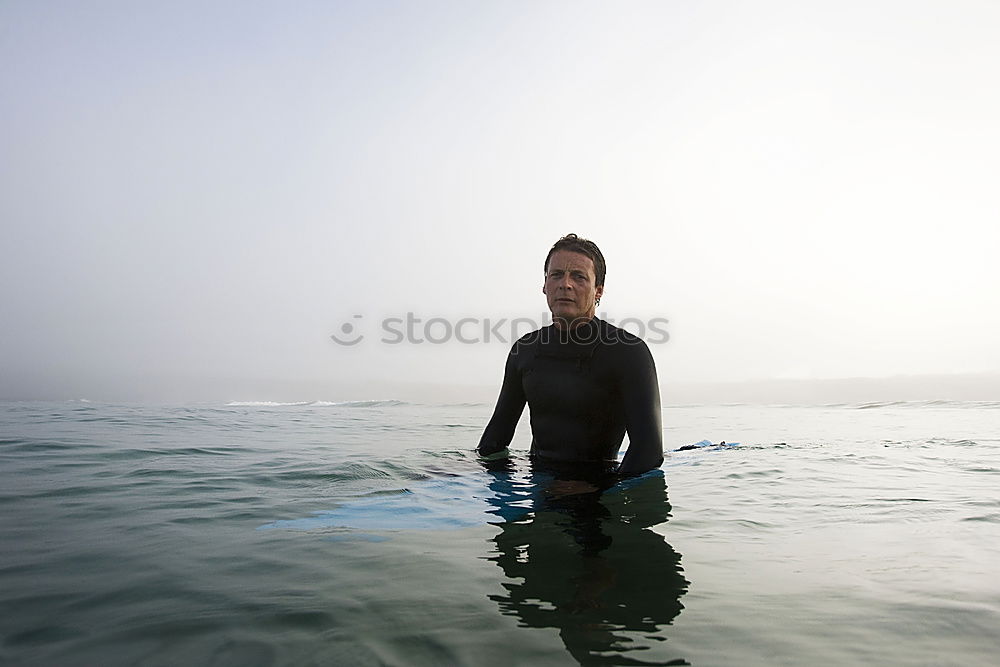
(195, 195)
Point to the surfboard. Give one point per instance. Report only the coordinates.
(447, 503)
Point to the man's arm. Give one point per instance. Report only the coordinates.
(500, 431)
(641, 395)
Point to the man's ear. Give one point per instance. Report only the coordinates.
(599, 292)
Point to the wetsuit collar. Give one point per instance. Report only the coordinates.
(585, 332)
(577, 323)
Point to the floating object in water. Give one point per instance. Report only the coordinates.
(706, 443)
(447, 503)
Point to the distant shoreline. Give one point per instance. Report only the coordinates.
(958, 387)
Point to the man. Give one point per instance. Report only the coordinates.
(585, 381)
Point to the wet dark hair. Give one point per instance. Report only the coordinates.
(574, 243)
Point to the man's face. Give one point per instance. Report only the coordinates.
(569, 287)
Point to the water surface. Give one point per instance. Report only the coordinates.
(367, 533)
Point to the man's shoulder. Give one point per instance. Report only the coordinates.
(624, 347)
(613, 335)
(532, 338)
(537, 335)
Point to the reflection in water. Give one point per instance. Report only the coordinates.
(579, 559)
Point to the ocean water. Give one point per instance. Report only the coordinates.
(367, 533)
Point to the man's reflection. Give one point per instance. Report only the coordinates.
(578, 558)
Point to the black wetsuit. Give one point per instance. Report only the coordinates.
(585, 388)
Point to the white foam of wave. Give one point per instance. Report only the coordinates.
(362, 404)
(263, 404)
(924, 404)
(318, 404)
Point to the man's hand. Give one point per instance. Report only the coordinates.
(495, 456)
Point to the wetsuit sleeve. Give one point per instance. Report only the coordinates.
(500, 431)
(641, 396)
